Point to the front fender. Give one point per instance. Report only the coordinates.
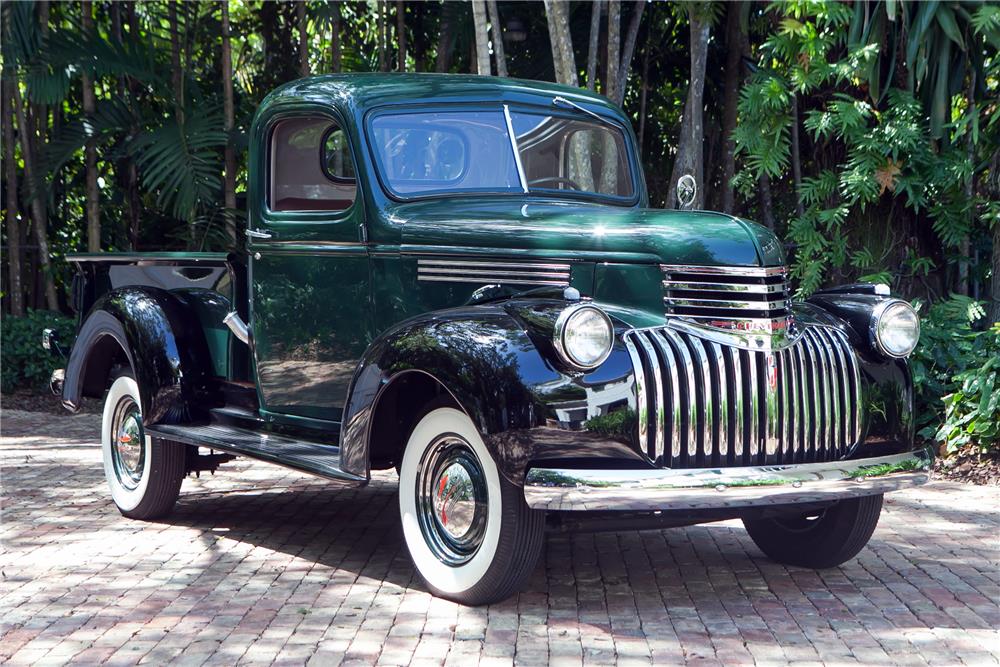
(161, 340)
(497, 363)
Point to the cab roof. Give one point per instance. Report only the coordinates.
(362, 91)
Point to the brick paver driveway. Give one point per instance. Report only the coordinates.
(262, 565)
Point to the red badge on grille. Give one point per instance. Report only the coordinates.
(772, 372)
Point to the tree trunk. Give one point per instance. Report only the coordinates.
(498, 52)
(38, 213)
(335, 37)
(994, 312)
(731, 92)
(303, 25)
(446, 41)
(592, 47)
(690, 147)
(970, 153)
(383, 46)
(796, 158)
(766, 205)
(229, 122)
(626, 61)
(12, 212)
(482, 39)
(611, 82)
(176, 74)
(92, 194)
(401, 34)
(642, 97)
(562, 42)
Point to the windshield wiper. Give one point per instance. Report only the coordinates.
(562, 101)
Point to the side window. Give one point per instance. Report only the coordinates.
(310, 166)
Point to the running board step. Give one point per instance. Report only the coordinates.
(302, 455)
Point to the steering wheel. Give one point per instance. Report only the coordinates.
(556, 180)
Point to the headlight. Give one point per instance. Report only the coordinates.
(895, 328)
(583, 336)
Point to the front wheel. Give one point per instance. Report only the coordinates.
(469, 532)
(144, 474)
(820, 538)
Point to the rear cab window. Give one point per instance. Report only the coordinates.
(310, 167)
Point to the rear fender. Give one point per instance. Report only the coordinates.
(161, 340)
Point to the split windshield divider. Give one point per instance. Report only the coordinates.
(517, 152)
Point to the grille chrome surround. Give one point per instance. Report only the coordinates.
(702, 403)
(729, 297)
(490, 271)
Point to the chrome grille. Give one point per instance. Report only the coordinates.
(491, 271)
(702, 403)
(728, 297)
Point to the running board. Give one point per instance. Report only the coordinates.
(302, 455)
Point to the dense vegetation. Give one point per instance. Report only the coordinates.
(867, 134)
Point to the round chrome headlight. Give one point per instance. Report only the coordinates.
(895, 328)
(583, 336)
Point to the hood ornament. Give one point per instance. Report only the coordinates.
(687, 190)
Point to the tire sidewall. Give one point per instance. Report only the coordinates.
(446, 578)
(126, 499)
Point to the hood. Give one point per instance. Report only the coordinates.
(586, 231)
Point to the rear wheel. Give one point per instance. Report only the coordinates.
(144, 473)
(820, 538)
(469, 532)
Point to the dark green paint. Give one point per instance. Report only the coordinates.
(317, 306)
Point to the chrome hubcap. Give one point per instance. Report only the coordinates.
(452, 500)
(128, 451)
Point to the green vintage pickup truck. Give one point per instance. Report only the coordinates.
(460, 278)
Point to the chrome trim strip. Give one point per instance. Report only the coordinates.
(746, 271)
(754, 397)
(771, 424)
(274, 243)
(681, 285)
(490, 264)
(513, 147)
(499, 281)
(433, 271)
(684, 302)
(724, 488)
(739, 435)
(642, 407)
(814, 417)
(723, 404)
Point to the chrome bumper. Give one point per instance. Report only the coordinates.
(722, 488)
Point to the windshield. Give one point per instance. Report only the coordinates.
(435, 152)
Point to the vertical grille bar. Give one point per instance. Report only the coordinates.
(836, 400)
(676, 398)
(739, 431)
(723, 404)
(690, 412)
(792, 405)
(706, 409)
(658, 421)
(826, 391)
(771, 424)
(811, 397)
(642, 408)
(754, 400)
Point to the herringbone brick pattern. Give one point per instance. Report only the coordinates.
(260, 565)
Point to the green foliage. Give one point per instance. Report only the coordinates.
(972, 411)
(25, 364)
(955, 373)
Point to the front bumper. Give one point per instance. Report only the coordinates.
(722, 488)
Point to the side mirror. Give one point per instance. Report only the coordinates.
(687, 190)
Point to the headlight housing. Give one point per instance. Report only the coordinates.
(583, 336)
(895, 328)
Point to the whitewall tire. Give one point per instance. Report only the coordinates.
(144, 474)
(469, 532)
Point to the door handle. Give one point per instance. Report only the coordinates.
(258, 234)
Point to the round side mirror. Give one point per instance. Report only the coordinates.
(687, 190)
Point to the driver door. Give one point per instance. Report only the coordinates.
(309, 273)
